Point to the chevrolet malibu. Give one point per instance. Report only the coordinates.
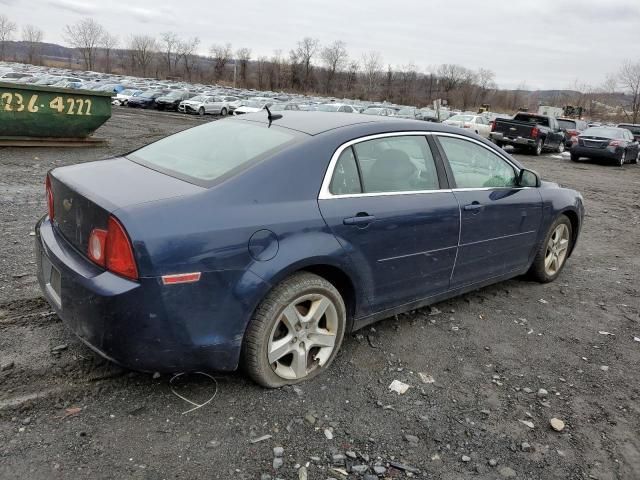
(262, 240)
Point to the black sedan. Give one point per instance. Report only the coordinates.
(171, 100)
(145, 100)
(608, 143)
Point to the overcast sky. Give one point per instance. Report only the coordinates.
(541, 43)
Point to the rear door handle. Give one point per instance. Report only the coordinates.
(359, 220)
(473, 207)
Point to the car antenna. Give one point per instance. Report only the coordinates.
(270, 115)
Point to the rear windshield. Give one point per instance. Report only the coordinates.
(523, 117)
(604, 132)
(568, 124)
(635, 129)
(206, 153)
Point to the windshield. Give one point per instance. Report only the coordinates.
(407, 111)
(373, 111)
(328, 108)
(210, 151)
(567, 124)
(604, 132)
(150, 94)
(461, 118)
(176, 94)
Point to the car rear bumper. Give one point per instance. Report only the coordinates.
(608, 153)
(142, 325)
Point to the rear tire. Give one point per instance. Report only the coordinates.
(285, 342)
(223, 112)
(537, 150)
(552, 254)
(574, 157)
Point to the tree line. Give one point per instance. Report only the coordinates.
(312, 68)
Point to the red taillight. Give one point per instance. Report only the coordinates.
(572, 133)
(574, 139)
(98, 246)
(112, 249)
(493, 126)
(119, 252)
(49, 191)
(534, 132)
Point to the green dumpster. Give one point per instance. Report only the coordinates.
(49, 115)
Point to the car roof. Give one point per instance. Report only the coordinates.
(314, 123)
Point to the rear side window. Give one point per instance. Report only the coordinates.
(396, 164)
(474, 166)
(208, 152)
(345, 179)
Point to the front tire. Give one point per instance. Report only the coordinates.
(223, 112)
(552, 254)
(295, 332)
(201, 111)
(575, 157)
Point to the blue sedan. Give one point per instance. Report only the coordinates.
(261, 240)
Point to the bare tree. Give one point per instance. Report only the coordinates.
(486, 82)
(108, 42)
(304, 53)
(335, 58)
(451, 76)
(32, 36)
(372, 66)
(243, 55)
(170, 43)
(275, 70)
(85, 36)
(187, 52)
(261, 71)
(630, 81)
(7, 28)
(143, 50)
(221, 54)
(352, 76)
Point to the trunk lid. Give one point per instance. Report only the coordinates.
(593, 142)
(84, 195)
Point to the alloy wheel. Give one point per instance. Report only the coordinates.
(557, 249)
(304, 336)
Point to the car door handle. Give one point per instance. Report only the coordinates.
(359, 220)
(473, 207)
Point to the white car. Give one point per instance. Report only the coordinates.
(337, 107)
(380, 111)
(476, 123)
(205, 104)
(123, 97)
(251, 106)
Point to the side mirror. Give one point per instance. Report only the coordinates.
(528, 178)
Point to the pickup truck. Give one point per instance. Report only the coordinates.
(530, 131)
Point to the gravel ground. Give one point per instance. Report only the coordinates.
(487, 371)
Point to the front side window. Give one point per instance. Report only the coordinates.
(474, 166)
(396, 164)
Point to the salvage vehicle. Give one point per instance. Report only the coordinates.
(633, 128)
(145, 100)
(571, 128)
(205, 250)
(609, 143)
(281, 107)
(171, 100)
(381, 111)
(251, 106)
(478, 124)
(337, 107)
(122, 98)
(534, 133)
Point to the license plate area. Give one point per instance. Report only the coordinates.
(52, 281)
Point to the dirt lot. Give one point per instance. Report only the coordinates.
(65, 413)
